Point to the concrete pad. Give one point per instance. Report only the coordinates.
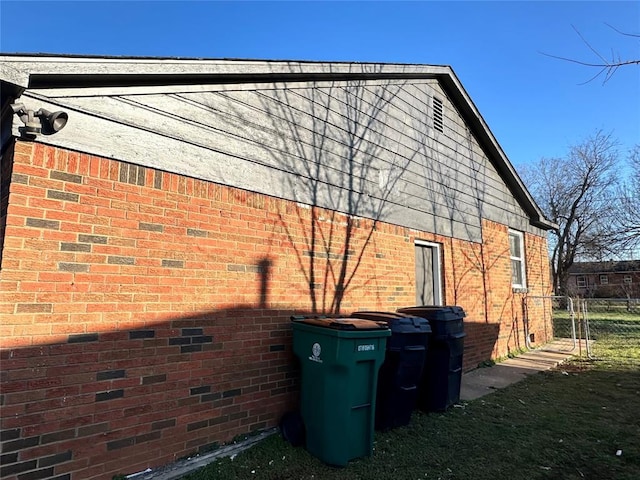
(483, 381)
(181, 468)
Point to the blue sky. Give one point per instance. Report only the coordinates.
(535, 105)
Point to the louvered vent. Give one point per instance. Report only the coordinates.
(438, 116)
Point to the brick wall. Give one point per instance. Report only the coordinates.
(145, 315)
(538, 309)
(479, 279)
(615, 286)
(5, 181)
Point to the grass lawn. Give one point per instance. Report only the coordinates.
(603, 322)
(563, 424)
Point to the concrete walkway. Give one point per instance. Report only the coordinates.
(483, 381)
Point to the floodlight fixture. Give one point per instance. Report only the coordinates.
(41, 121)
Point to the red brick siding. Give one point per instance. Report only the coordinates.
(616, 287)
(145, 315)
(538, 309)
(504, 326)
(5, 181)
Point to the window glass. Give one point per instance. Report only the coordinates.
(516, 272)
(514, 245)
(516, 250)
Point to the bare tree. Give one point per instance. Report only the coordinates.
(578, 193)
(606, 66)
(627, 220)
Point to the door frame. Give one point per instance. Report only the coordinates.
(436, 260)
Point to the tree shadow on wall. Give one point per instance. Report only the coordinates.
(457, 181)
(343, 148)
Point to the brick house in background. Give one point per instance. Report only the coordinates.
(154, 248)
(613, 279)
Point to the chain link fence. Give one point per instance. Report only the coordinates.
(596, 327)
(556, 313)
(611, 326)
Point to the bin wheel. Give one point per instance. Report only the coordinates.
(292, 428)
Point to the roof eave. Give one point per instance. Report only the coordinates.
(489, 143)
(45, 71)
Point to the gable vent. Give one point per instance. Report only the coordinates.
(438, 117)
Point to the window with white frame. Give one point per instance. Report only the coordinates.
(516, 251)
(627, 279)
(604, 280)
(581, 281)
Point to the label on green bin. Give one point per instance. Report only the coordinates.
(365, 348)
(316, 350)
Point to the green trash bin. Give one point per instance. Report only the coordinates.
(339, 363)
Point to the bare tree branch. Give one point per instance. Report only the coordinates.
(634, 35)
(627, 219)
(577, 192)
(606, 66)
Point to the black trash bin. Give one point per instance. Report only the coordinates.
(440, 387)
(401, 373)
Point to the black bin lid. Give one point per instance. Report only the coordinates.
(398, 322)
(447, 313)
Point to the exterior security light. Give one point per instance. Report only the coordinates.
(52, 122)
(41, 121)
